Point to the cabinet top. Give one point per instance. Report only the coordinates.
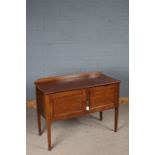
(73, 82)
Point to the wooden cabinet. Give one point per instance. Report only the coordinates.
(63, 97)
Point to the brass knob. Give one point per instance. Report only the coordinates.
(87, 108)
(87, 105)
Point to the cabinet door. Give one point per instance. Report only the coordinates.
(67, 104)
(103, 97)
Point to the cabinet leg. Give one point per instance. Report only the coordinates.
(39, 122)
(48, 125)
(101, 115)
(116, 119)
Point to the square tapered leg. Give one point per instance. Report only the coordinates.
(48, 125)
(101, 115)
(39, 122)
(116, 120)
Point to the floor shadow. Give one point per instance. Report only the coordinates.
(123, 125)
(94, 117)
(87, 121)
(94, 123)
(37, 146)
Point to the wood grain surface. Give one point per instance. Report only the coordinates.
(32, 103)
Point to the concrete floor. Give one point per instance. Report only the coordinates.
(81, 136)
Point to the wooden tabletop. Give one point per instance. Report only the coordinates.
(73, 82)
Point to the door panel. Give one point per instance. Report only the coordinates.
(103, 96)
(68, 103)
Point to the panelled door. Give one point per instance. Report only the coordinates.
(67, 104)
(102, 97)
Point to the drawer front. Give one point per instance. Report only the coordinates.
(102, 97)
(67, 104)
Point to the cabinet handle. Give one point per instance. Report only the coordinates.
(87, 105)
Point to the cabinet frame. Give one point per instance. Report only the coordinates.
(64, 97)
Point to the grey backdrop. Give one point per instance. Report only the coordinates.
(68, 36)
